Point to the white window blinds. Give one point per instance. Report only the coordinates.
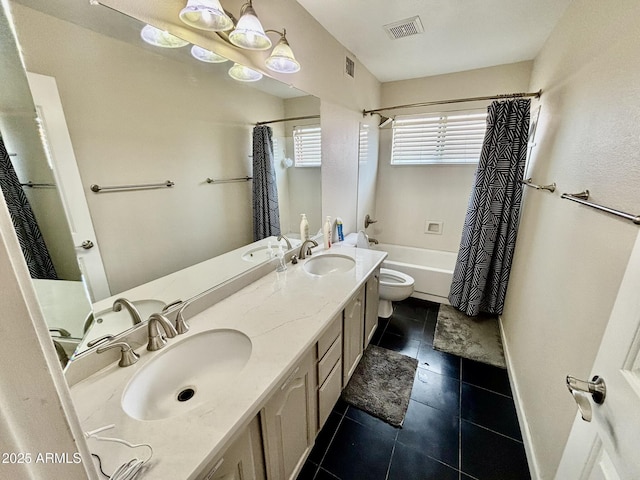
(306, 144)
(363, 145)
(438, 138)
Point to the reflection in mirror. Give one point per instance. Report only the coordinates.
(137, 114)
(367, 168)
(28, 187)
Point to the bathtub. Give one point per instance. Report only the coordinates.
(432, 270)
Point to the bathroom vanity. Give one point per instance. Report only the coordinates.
(264, 368)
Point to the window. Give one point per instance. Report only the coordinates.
(306, 146)
(363, 144)
(438, 138)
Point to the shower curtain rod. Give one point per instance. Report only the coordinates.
(455, 100)
(308, 117)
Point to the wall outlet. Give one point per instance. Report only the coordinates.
(433, 228)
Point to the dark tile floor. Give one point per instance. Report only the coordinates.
(461, 422)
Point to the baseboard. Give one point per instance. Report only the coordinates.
(431, 298)
(522, 418)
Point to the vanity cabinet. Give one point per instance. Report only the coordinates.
(329, 369)
(289, 421)
(242, 460)
(352, 331)
(372, 298)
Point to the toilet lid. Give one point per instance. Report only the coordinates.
(395, 277)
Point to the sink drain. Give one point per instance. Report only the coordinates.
(186, 394)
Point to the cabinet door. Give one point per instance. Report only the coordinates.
(372, 298)
(240, 461)
(289, 422)
(353, 335)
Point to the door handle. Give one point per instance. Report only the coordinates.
(596, 387)
(87, 244)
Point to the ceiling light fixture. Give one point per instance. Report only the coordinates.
(206, 15)
(207, 56)
(249, 33)
(161, 38)
(281, 59)
(244, 74)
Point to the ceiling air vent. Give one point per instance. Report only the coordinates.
(404, 28)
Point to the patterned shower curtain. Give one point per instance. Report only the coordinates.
(266, 214)
(24, 222)
(491, 225)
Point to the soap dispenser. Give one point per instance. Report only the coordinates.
(326, 230)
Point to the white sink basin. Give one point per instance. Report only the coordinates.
(329, 263)
(108, 322)
(187, 374)
(258, 254)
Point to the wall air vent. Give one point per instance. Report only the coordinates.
(350, 67)
(404, 28)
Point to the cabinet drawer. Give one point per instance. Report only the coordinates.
(329, 393)
(326, 340)
(329, 360)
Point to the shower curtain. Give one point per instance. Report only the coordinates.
(24, 222)
(491, 225)
(266, 214)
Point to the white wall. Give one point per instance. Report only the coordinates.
(570, 259)
(408, 196)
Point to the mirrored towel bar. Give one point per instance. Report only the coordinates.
(551, 187)
(97, 188)
(229, 180)
(38, 185)
(583, 197)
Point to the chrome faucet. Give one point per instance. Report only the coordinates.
(156, 339)
(127, 356)
(304, 250)
(282, 237)
(131, 308)
(181, 324)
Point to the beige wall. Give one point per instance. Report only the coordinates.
(570, 259)
(408, 196)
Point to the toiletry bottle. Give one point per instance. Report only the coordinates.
(327, 233)
(269, 250)
(304, 228)
(339, 228)
(282, 266)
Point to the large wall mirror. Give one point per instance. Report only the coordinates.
(122, 112)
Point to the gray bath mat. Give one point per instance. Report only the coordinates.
(475, 338)
(381, 384)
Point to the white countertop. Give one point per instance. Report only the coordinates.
(282, 313)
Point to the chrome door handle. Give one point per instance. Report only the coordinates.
(596, 387)
(87, 244)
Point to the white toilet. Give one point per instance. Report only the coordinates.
(394, 285)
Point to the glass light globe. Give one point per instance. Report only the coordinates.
(207, 56)
(161, 38)
(206, 15)
(282, 59)
(249, 33)
(244, 74)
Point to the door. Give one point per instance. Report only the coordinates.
(353, 335)
(607, 447)
(65, 169)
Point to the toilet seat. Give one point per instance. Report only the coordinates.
(393, 278)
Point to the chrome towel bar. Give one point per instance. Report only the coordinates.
(30, 184)
(583, 197)
(229, 180)
(97, 188)
(551, 187)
